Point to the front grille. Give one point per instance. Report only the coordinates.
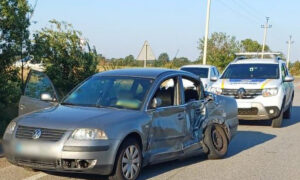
(37, 163)
(250, 93)
(248, 111)
(24, 132)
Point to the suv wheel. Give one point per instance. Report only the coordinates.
(216, 141)
(288, 113)
(129, 161)
(276, 123)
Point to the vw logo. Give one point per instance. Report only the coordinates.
(36, 134)
(240, 93)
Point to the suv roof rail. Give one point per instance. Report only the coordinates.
(244, 55)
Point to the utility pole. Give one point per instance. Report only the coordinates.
(289, 42)
(266, 27)
(206, 31)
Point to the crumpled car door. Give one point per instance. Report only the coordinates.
(37, 84)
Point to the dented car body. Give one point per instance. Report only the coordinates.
(118, 121)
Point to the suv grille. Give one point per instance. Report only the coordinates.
(250, 93)
(248, 111)
(37, 163)
(24, 132)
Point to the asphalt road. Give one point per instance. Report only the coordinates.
(257, 152)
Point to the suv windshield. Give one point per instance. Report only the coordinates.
(116, 92)
(202, 72)
(251, 71)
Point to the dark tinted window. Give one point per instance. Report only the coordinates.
(117, 92)
(251, 71)
(202, 72)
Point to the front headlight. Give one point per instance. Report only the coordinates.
(11, 127)
(269, 92)
(89, 134)
(216, 90)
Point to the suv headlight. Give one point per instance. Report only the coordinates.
(89, 134)
(216, 90)
(11, 127)
(270, 92)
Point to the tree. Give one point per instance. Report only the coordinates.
(129, 60)
(14, 38)
(295, 68)
(69, 59)
(162, 60)
(178, 62)
(249, 45)
(221, 49)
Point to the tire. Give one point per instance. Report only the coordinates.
(129, 155)
(216, 141)
(288, 113)
(276, 123)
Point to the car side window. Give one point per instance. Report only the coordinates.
(283, 71)
(192, 90)
(166, 92)
(37, 84)
(212, 72)
(216, 72)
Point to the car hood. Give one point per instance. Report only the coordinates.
(73, 117)
(246, 83)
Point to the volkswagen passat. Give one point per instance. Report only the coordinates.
(116, 122)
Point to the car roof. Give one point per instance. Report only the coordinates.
(257, 61)
(138, 72)
(197, 66)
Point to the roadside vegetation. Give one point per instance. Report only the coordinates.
(69, 58)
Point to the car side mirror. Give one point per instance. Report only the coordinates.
(288, 79)
(47, 97)
(156, 102)
(214, 78)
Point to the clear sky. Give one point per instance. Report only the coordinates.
(119, 27)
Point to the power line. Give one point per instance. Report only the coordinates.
(247, 10)
(238, 12)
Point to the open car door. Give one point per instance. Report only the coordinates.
(39, 93)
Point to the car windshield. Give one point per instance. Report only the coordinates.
(251, 71)
(201, 72)
(115, 92)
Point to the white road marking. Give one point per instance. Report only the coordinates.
(37, 176)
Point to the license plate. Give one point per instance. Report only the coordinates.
(244, 105)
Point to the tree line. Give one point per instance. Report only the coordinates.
(69, 58)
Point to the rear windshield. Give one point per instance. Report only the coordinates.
(251, 71)
(202, 72)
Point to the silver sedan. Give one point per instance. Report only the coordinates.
(117, 122)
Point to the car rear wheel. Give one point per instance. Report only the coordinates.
(216, 141)
(129, 161)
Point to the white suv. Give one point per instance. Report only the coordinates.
(208, 74)
(263, 89)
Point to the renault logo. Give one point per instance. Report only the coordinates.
(241, 93)
(36, 134)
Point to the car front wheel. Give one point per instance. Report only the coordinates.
(216, 141)
(129, 161)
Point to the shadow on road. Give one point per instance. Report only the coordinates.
(247, 139)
